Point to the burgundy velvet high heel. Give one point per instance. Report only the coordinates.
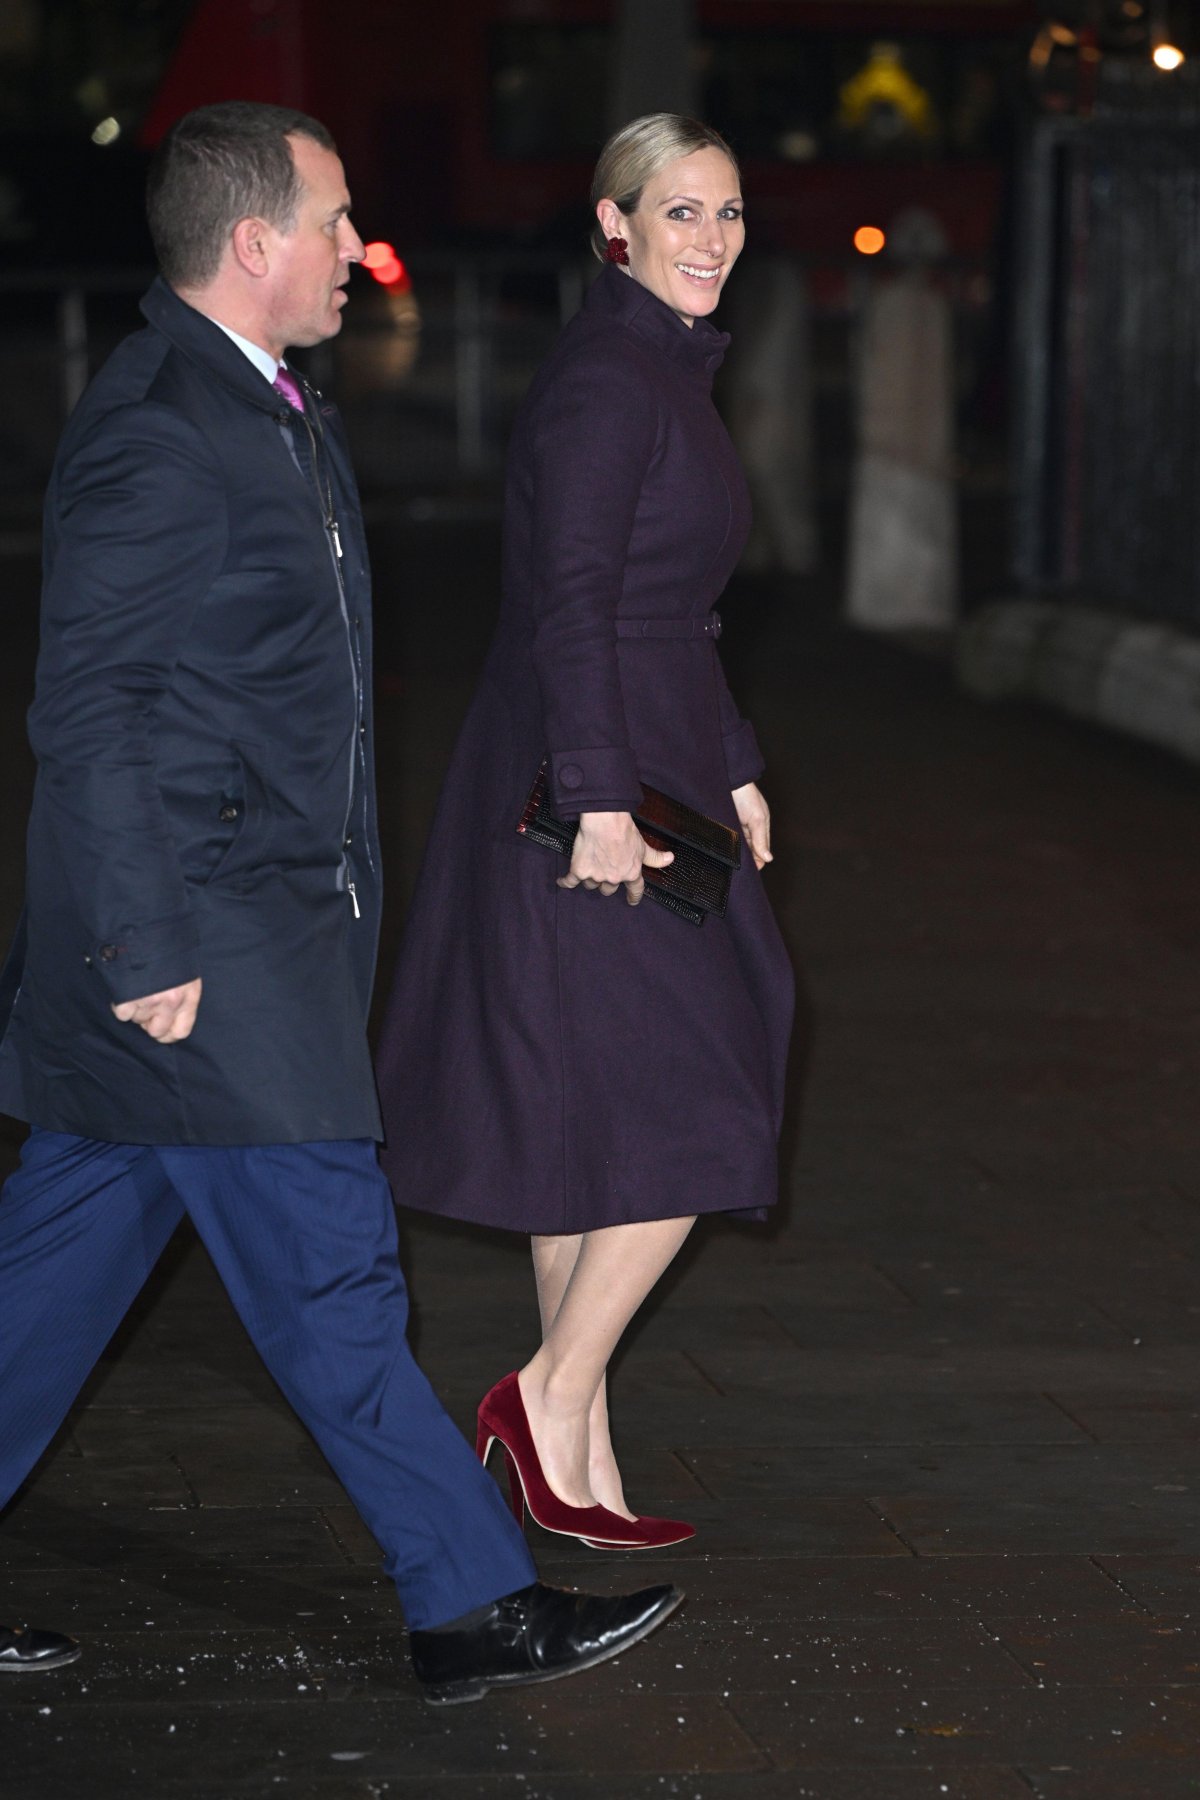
(502, 1416)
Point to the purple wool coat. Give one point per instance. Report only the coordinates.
(555, 1061)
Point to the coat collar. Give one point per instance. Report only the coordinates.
(202, 342)
(699, 348)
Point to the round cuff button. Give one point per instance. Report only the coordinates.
(570, 776)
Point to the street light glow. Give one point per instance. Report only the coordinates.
(386, 266)
(1169, 57)
(869, 240)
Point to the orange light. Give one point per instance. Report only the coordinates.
(378, 254)
(1169, 57)
(869, 240)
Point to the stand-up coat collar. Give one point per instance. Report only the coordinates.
(700, 347)
(197, 338)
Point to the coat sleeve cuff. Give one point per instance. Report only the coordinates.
(743, 758)
(147, 959)
(604, 780)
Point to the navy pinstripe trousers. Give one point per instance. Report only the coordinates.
(304, 1238)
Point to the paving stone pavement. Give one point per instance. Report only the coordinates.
(938, 1427)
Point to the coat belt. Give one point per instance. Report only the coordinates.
(708, 627)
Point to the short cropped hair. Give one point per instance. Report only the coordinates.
(635, 154)
(217, 165)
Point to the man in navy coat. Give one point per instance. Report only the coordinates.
(187, 999)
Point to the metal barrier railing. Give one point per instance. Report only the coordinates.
(461, 311)
(428, 381)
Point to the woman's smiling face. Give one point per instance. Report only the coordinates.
(686, 233)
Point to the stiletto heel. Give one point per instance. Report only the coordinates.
(502, 1415)
(516, 1494)
(484, 1439)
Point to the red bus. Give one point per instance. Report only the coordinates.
(480, 119)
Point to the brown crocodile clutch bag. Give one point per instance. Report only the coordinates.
(706, 852)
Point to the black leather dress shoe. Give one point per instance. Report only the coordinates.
(537, 1634)
(26, 1650)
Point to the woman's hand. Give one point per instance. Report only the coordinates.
(609, 853)
(755, 817)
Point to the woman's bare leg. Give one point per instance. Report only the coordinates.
(602, 1283)
(554, 1261)
(603, 1473)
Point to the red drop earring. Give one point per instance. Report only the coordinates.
(617, 251)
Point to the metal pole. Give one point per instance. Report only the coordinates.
(73, 345)
(570, 291)
(1036, 349)
(469, 368)
(652, 68)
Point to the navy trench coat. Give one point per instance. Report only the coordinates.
(204, 802)
(555, 1061)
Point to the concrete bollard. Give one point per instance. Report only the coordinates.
(902, 564)
(767, 398)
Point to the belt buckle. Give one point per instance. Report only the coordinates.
(714, 627)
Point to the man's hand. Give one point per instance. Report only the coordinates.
(754, 816)
(168, 1017)
(609, 853)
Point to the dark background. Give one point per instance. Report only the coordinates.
(468, 130)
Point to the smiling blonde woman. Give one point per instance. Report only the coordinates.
(558, 1062)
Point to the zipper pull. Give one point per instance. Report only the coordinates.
(353, 899)
(337, 542)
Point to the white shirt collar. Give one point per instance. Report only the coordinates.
(262, 359)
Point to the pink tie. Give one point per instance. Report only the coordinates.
(285, 383)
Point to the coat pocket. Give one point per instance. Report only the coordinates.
(243, 821)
